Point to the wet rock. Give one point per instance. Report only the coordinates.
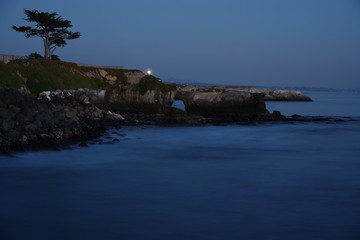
(14, 109)
(114, 116)
(277, 116)
(53, 118)
(295, 116)
(83, 144)
(7, 124)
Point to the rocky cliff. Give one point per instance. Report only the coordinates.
(51, 119)
(57, 101)
(269, 94)
(149, 95)
(214, 103)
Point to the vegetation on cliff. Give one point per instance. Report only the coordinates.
(41, 75)
(37, 56)
(150, 82)
(38, 76)
(9, 77)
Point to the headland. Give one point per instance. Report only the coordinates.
(51, 102)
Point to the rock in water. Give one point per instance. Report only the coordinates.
(223, 104)
(269, 94)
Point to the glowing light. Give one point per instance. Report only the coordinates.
(149, 72)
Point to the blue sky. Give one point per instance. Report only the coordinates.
(238, 42)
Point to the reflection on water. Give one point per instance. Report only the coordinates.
(270, 181)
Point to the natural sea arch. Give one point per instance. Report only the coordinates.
(179, 104)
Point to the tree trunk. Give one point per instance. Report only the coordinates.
(47, 55)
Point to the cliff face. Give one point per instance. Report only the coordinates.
(131, 91)
(269, 94)
(134, 77)
(129, 98)
(222, 103)
(281, 95)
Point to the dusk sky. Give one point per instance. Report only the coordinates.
(234, 42)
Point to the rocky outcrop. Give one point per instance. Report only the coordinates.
(51, 119)
(220, 103)
(112, 76)
(134, 77)
(127, 98)
(83, 94)
(226, 105)
(269, 94)
(107, 77)
(281, 95)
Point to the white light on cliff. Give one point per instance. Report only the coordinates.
(149, 72)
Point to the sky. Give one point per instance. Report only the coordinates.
(311, 43)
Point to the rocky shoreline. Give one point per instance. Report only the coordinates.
(32, 117)
(63, 116)
(27, 122)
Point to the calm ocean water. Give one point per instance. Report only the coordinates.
(268, 181)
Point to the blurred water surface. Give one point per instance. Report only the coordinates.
(265, 181)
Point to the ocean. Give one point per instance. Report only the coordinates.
(267, 181)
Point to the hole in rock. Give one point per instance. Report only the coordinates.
(179, 104)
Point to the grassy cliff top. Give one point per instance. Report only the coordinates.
(149, 82)
(40, 75)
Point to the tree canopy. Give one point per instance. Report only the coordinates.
(52, 28)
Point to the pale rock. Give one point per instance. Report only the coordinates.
(134, 76)
(109, 78)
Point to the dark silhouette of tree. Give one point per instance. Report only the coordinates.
(52, 28)
(37, 56)
(55, 57)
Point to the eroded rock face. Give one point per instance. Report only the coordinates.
(112, 76)
(269, 94)
(107, 77)
(126, 98)
(84, 94)
(222, 103)
(134, 77)
(285, 95)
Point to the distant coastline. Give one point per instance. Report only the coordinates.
(297, 88)
(316, 89)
